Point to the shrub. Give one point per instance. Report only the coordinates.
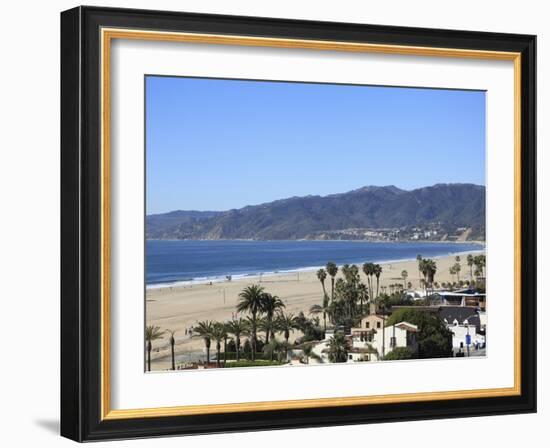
(400, 353)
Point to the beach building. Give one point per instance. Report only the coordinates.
(465, 324)
(372, 339)
(464, 298)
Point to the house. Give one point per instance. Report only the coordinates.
(460, 315)
(465, 323)
(373, 339)
(462, 298)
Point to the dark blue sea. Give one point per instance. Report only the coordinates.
(169, 262)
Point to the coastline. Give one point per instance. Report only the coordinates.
(182, 306)
(222, 278)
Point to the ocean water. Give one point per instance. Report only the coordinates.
(174, 262)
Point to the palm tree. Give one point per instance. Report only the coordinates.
(152, 333)
(452, 270)
(337, 348)
(455, 269)
(479, 261)
(219, 334)
(251, 300)
(363, 294)
(285, 324)
(368, 269)
(419, 261)
(432, 269)
(404, 275)
(429, 270)
(273, 347)
(172, 347)
(470, 261)
(377, 271)
(332, 270)
(324, 309)
(271, 304)
(238, 327)
(351, 273)
(204, 330)
(267, 326)
(307, 349)
(322, 275)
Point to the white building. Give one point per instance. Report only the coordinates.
(464, 321)
(373, 339)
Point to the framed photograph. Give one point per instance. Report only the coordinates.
(274, 223)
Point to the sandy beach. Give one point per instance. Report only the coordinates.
(180, 307)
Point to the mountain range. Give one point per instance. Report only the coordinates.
(446, 206)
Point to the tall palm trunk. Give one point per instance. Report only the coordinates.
(253, 357)
(207, 344)
(149, 348)
(287, 336)
(238, 347)
(332, 289)
(371, 294)
(383, 337)
(172, 344)
(268, 330)
(218, 351)
(224, 351)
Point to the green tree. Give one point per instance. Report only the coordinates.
(434, 338)
(204, 330)
(271, 304)
(219, 334)
(419, 261)
(322, 275)
(470, 261)
(172, 348)
(152, 333)
(238, 328)
(400, 353)
(268, 327)
(323, 309)
(428, 268)
(404, 275)
(479, 262)
(337, 349)
(332, 270)
(252, 300)
(286, 323)
(272, 349)
(377, 269)
(363, 295)
(308, 352)
(368, 270)
(455, 270)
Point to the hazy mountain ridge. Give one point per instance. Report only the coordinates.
(308, 217)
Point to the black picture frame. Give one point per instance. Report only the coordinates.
(81, 224)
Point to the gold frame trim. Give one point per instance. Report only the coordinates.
(107, 35)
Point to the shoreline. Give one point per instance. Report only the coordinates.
(180, 307)
(305, 269)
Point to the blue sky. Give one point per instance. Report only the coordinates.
(216, 144)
